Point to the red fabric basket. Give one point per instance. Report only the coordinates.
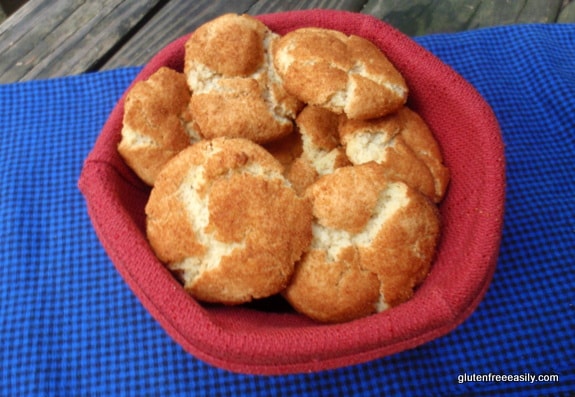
(255, 341)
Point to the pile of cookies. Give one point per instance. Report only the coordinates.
(286, 165)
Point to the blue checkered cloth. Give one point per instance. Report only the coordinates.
(69, 325)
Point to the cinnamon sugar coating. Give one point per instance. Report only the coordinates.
(156, 123)
(226, 222)
(345, 74)
(236, 90)
(373, 243)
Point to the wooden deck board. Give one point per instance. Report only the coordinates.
(85, 50)
(175, 19)
(567, 13)
(62, 37)
(180, 17)
(31, 25)
(266, 7)
(419, 17)
(493, 12)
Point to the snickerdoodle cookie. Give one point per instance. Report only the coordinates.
(224, 219)
(404, 144)
(345, 74)
(321, 150)
(156, 123)
(236, 92)
(373, 243)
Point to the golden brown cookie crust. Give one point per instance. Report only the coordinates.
(372, 234)
(155, 122)
(345, 74)
(404, 144)
(236, 90)
(333, 291)
(321, 152)
(420, 139)
(230, 45)
(223, 218)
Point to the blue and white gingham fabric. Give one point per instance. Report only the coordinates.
(70, 326)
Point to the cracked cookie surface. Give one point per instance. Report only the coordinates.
(226, 222)
(156, 123)
(404, 144)
(373, 243)
(345, 74)
(236, 90)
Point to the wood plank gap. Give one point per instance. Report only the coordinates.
(29, 26)
(127, 37)
(53, 51)
(265, 7)
(29, 15)
(105, 24)
(178, 18)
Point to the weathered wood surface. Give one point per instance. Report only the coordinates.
(175, 19)
(180, 17)
(44, 39)
(419, 17)
(567, 14)
(55, 38)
